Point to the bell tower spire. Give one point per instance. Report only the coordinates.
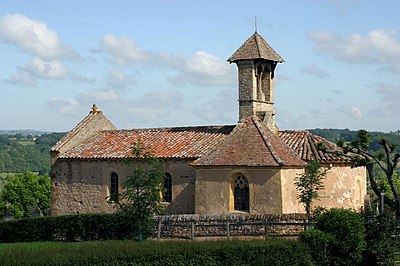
(256, 62)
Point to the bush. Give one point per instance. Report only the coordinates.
(319, 243)
(341, 233)
(381, 245)
(70, 228)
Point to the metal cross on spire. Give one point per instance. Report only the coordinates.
(255, 23)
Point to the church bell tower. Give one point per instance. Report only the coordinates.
(256, 62)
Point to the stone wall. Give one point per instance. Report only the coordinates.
(240, 225)
(345, 187)
(82, 186)
(214, 194)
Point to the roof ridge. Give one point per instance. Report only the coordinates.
(267, 143)
(74, 131)
(169, 128)
(257, 44)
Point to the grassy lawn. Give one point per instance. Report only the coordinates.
(254, 252)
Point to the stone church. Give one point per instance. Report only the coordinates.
(249, 167)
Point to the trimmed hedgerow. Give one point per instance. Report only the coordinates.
(256, 252)
(82, 227)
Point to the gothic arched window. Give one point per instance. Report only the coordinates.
(241, 193)
(167, 194)
(114, 187)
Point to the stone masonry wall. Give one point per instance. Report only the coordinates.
(82, 186)
(214, 195)
(240, 225)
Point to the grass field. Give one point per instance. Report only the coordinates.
(26, 142)
(257, 252)
(4, 175)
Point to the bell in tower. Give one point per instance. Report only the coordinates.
(256, 61)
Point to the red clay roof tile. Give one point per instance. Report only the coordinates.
(251, 144)
(178, 142)
(305, 144)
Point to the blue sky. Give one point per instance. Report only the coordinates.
(163, 63)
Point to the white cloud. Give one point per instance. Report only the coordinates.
(389, 107)
(33, 37)
(45, 69)
(356, 113)
(390, 93)
(123, 50)
(100, 96)
(378, 46)
(63, 105)
(314, 70)
(119, 79)
(21, 79)
(202, 68)
(222, 108)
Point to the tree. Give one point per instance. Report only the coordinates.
(142, 190)
(24, 192)
(309, 183)
(386, 159)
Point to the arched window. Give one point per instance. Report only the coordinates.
(114, 187)
(167, 194)
(241, 193)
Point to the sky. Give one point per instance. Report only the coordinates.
(164, 63)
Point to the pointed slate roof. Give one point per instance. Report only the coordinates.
(255, 47)
(251, 144)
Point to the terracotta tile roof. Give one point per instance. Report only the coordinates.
(255, 47)
(251, 144)
(305, 144)
(177, 142)
(71, 134)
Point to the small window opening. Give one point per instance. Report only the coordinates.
(241, 193)
(167, 193)
(114, 187)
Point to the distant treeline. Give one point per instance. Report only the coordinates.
(348, 135)
(21, 153)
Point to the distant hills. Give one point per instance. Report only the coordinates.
(348, 135)
(19, 154)
(28, 150)
(23, 132)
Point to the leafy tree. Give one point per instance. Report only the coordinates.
(21, 193)
(142, 190)
(381, 245)
(309, 183)
(386, 159)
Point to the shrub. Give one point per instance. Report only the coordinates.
(381, 245)
(338, 238)
(348, 230)
(319, 243)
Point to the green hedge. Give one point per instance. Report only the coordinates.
(255, 252)
(82, 227)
